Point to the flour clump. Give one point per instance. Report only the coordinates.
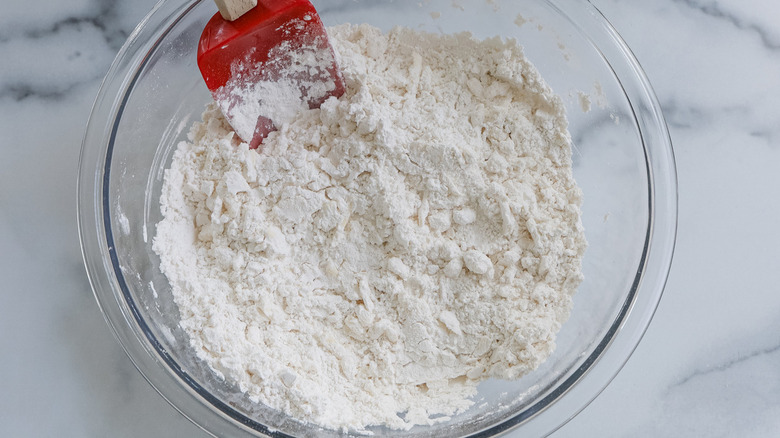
(379, 256)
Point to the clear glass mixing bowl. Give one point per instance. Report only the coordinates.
(623, 161)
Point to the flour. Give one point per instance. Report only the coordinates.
(297, 72)
(381, 255)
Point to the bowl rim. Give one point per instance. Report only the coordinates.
(214, 416)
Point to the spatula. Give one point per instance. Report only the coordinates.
(264, 61)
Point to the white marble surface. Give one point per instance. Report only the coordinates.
(709, 365)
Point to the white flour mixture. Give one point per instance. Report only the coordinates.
(381, 255)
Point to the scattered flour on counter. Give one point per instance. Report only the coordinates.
(379, 256)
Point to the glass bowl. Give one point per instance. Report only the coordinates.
(623, 161)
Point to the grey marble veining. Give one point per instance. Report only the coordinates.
(727, 365)
(708, 366)
(68, 46)
(733, 16)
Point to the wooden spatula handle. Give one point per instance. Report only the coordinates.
(232, 9)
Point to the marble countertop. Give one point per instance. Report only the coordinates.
(709, 365)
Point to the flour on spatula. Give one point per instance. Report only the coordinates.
(379, 256)
(278, 90)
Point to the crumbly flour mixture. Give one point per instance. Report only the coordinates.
(380, 256)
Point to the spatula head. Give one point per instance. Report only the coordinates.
(268, 65)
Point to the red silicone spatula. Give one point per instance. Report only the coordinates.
(266, 60)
